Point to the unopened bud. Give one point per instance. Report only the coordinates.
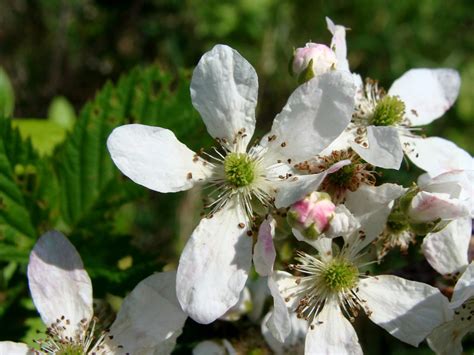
(311, 60)
(312, 215)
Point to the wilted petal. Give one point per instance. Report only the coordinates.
(224, 90)
(436, 155)
(149, 317)
(316, 114)
(153, 157)
(338, 44)
(372, 205)
(264, 251)
(427, 93)
(296, 187)
(11, 348)
(464, 288)
(447, 250)
(214, 264)
(332, 333)
(408, 310)
(59, 285)
(384, 148)
(294, 343)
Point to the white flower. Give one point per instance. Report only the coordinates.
(61, 289)
(384, 125)
(446, 338)
(332, 286)
(214, 264)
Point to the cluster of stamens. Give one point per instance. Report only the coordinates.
(348, 178)
(86, 340)
(323, 280)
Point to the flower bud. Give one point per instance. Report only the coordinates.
(311, 215)
(311, 60)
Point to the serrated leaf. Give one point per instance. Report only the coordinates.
(91, 186)
(14, 215)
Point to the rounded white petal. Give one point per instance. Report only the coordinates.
(338, 44)
(426, 207)
(447, 250)
(436, 155)
(264, 253)
(408, 310)
(243, 306)
(464, 288)
(371, 205)
(150, 315)
(12, 348)
(153, 157)
(224, 90)
(294, 343)
(280, 284)
(384, 148)
(293, 189)
(214, 264)
(208, 347)
(315, 115)
(427, 93)
(332, 333)
(59, 285)
(446, 339)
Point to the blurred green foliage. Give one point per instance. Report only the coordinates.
(56, 172)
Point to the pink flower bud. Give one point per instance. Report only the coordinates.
(321, 57)
(311, 215)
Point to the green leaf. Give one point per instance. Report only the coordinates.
(44, 134)
(16, 169)
(7, 96)
(92, 188)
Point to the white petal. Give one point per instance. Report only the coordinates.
(426, 207)
(436, 155)
(447, 250)
(149, 316)
(334, 334)
(427, 93)
(153, 157)
(372, 205)
(464, 288)
(408, 310)
(294, 344)
(446, 339)
(338, 44)
(208, 347)
(264, 253)
(384, 148)
(11, 348)
(279, 323)
(243, 306)
(224, 90)
(214, 264)
(315, 115)
(293, 189)
(59, 285)
(343, 224)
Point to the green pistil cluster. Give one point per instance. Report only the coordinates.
(239, 169)
(388, 112)
(340, 275)
(71, 349)
(342, 177)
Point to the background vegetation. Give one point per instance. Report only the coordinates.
(130, 61)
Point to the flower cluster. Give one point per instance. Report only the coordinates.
(313, 183)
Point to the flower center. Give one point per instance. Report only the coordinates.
(239, 169)
(71, 349)
(343, 176)
(388, 112)
(340, 275)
